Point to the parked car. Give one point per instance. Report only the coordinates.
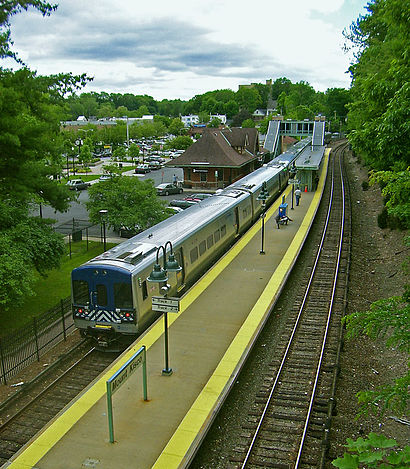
(104, 177)
(183, 203)
(77, 184)
(175, 210)
(142, 169)
(155, 165)
(198, 197)
(169, 188)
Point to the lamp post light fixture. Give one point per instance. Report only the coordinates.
(68, 169)
(263, 195)
(103, 215)
(78, 142)
(160, 275)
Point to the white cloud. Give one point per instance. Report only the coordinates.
(182, 48)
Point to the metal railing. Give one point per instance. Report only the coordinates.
(28, 343)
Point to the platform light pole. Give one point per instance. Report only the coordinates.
(103, 215)
(160, 275)
(263, 195)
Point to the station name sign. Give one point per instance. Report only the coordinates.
(165, 305)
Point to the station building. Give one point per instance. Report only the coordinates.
(219, 158)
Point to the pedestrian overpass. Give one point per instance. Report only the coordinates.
(300, 129)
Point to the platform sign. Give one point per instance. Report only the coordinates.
(293, 181)
(165, 305)
(120, 377)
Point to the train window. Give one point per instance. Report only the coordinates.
(101, 295)
(193, 254)
(217, 236)
(202, 247)
(223, 231)
(210, 241)
(80, 292)
(123, 295)
(144, 290)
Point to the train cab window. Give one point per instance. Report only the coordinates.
(223, 231)
(144, 290)
(123, 295)
(217, 236)
(101, 295)
(193, 254)
(80, 292)
(202, 247)
(210, 241)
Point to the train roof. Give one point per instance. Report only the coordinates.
(291, 153)
(131, 253)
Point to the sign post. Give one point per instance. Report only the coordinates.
(165, 305)
(118, 379)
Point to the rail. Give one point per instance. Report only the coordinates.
(279, 378)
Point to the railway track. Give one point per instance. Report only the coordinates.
(288, 424)
(27, 414)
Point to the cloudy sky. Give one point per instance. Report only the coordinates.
(179, 48)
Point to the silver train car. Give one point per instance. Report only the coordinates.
(111, 297)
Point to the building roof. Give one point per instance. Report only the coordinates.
(216, 148)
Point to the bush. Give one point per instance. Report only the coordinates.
(383, 219)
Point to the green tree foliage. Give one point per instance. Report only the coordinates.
(248, 98)
(176, 126)
(375, 452)
(388, 319)
(26, 244)
(215, 123)
(380, 109)
(30, 147)
(134, 151)
(248, 123)
(180, 143)
(130, 202)
(396, 190)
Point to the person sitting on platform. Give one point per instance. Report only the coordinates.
(282, 220)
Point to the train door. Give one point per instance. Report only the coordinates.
(181, 274)
(100, 297)
(237, 220)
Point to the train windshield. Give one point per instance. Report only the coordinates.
(80, 292)
(122, 295)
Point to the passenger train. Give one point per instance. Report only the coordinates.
(111, 296)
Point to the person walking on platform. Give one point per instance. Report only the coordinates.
(298, 194)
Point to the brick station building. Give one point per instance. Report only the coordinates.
(219, 158)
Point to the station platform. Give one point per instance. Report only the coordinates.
(220, 318)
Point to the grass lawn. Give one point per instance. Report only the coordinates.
(51, 289)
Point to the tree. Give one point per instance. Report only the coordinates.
(31, 146)
(380, 110)
(388, 319)
(248, 98)
(134, 151)
(175, 126)
(181, 143)
(119, 154)
(215, 123)
(130, 202)
(248, 123)
(395, 190)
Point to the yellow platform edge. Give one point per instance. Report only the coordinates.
(182, 445)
